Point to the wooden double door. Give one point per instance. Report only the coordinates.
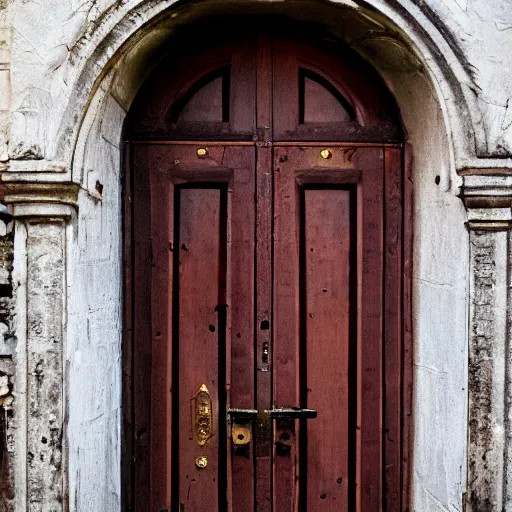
(265, 294)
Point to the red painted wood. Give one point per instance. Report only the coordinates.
(374, 107)
(151, 113)
(264, 320)
(233, 169)
(199, 248)
(128, 345)
(250, 251)
(142, 331)
(296, 166)
(392, 354)
(407, 378)
(286, 327)
(161, 208)
(370, 312)
(327, 251)
(240, 280)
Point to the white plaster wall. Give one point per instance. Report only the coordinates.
(5, 86)
(440, 289)
(483, 31)
(94, 332)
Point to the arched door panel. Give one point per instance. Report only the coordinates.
(370, 111)
(207, 94)
(317, 95)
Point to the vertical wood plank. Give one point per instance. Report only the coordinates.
(243, 88)
(264, 319)
(286, 327)
(241, 274)
(142, 327)
(161, 210)
(199, 249)
(370, 328)
(407, 378)
(327, 254)
(392, 353)
(286, 89)
(127, 352)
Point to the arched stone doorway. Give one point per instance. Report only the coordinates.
(106, 68)
(266, 287)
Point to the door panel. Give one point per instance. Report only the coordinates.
(201, 259)
(200, 220)
(327, 353)
(299, 116)
(325, 315)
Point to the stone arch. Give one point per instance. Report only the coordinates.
(431, 87)
(128, 33)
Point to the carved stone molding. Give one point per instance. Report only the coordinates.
(38, 194)
(488, 200)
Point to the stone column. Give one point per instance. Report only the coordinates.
(488, 200)
(42, 215)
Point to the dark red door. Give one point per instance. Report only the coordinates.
(265, 288)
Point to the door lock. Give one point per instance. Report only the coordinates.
(241, 434)
(241, 428)
(241, 420)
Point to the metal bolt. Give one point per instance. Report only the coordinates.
(201, 462)
(202, 152)
(325, 154)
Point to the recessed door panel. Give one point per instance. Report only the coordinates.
(201, 245)
(327, 380)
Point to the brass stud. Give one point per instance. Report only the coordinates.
(325, 154)
(202, 152)
(201, 462)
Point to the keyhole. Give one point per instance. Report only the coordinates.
(240, 437)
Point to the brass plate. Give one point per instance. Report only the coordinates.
(202, 419)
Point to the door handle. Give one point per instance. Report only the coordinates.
(292, 413)
(285, 430)
(242, 419)
(246, 415)
(241, 415)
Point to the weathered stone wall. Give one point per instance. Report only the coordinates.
(68, 73)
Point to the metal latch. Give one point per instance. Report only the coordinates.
(241, 428)
(292, 413)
